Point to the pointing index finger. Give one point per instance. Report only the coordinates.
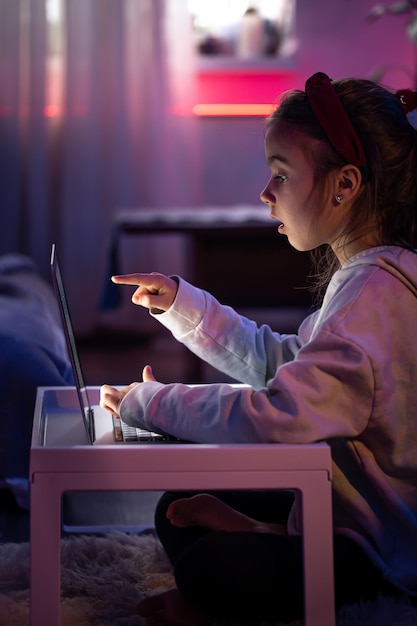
(131, 279)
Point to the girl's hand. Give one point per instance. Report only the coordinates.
(154, 291)
(111, 398)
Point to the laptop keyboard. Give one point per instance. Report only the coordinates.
(124, 432)
(130, 433)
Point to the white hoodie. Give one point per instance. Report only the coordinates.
(348, 377)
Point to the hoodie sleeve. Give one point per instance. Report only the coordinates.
(323, 393)
(298, 390)
(226, 340)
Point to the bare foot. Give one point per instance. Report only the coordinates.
(209, 512)
(169, 609)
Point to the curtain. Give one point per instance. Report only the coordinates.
(118, 135)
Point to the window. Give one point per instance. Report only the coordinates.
(244, 29)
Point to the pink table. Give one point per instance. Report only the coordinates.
(56, 468)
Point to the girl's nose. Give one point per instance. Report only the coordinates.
(265, 196)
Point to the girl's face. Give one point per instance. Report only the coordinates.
(308, 217)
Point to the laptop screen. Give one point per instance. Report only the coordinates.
(72, 349)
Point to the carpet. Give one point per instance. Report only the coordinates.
(104, 578)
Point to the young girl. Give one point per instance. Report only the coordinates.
(343, 161)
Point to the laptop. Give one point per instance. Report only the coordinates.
(101, 427)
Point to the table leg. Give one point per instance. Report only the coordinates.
(318, 554)
(45, 547)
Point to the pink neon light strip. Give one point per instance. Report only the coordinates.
(221, 110)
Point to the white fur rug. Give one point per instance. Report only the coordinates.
(104, 578)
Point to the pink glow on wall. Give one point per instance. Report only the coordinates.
(240, 92)
(223, 93)
(242, 86)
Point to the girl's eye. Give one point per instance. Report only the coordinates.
(282, 178)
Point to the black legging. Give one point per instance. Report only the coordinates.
(247, 577)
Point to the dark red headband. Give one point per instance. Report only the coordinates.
(333, 119)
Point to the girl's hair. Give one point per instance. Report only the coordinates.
(387, 205)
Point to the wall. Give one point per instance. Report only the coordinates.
(334, 37)
(120, 149)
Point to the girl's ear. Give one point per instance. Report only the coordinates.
(348, 182)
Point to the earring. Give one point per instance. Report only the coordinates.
(339, 198)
